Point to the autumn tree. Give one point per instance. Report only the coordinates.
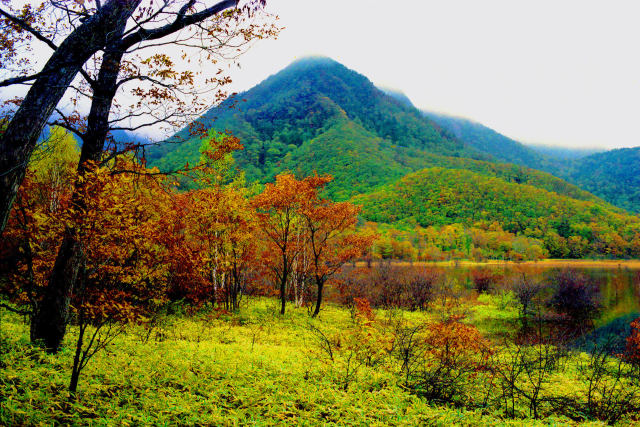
(279, 210)
(156, 92)
(331, 237)
(220, 228)
(76, 32)
(121, 232)
(123, 276)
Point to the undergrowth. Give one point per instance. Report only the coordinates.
(254, 367)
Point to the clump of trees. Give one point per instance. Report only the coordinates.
(386, 285)
(142, 244)
(103, 53)
(308, 235)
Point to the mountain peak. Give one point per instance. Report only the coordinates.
(313, 60)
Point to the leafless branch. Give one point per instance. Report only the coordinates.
(25, 26)
(182, 20)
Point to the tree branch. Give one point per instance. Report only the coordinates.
(155, 122)
(182, 20)
(25, 26)
(19, 80)
(15, 310)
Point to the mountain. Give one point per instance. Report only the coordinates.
(317, 115)
(613, 175)
(411, 169)
(290, 120)
(493, 143)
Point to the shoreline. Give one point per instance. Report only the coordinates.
(632, 264)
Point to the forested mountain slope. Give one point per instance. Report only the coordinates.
(493, 143)
(438, 197)
(613, 175)
(318, 116)
(300, 103)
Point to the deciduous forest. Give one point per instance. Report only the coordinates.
(312, 251)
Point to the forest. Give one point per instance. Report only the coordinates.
(312, 251)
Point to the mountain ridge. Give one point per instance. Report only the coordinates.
(316, 115)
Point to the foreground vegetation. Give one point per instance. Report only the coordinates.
(352, 365)
(160, 330)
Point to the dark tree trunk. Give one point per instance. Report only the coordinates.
(49, 323)
(283, 281)
(320, 285)
(20, 137)
(283, 293)
(77, 362)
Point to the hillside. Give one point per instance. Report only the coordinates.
(314, 98)
(493, 143)
(318, 116)
(438, 197)
(564, 153)
(613, 175)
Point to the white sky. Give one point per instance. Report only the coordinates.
(559, 72)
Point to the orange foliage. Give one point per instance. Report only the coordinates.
(120, 228)
(363, 309)
(632, 351)
(455, 344)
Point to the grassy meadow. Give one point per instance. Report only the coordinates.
(210, 367)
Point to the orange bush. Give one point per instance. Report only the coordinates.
(632, 351)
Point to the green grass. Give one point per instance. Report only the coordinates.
(254, 367)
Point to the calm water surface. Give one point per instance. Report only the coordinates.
(619, 286)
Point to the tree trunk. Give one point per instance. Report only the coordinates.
(283, 293)
(50, 321)
(320, 284)
(75, 371)
(20, 137)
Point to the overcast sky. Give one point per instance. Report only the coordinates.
(559, 72)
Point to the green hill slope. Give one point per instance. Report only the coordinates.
(613, 175)
(317, 115)
(493, 143)
(438, 196)
(275, 118)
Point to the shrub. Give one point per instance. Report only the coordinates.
(576, 297)
(420, 290)
(612, 389)
(632, 348)
(441, 361)
(526, 291)
(483, 280)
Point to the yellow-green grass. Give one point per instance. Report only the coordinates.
(254, 367)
